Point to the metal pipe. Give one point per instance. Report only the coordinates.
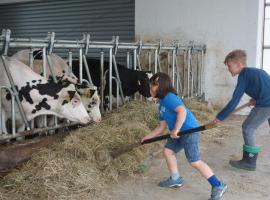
(156, 55)
(86, 67)
(135, 59)
(13, 113)
(110, 79)
(44, 62)
(80, 65)
(192, 78)
(31, 59)
(51, 68)
(13, 125)
(118, 78)
(173, 67)
(178, 79)
(35, 131)
(149, 61)
(188, 73)
(168, 63)
(70, 59)
(117, 91)
(201, 72)
(102, 80)
(139, 62)
(15, 93)
(128, 61)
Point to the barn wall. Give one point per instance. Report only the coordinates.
(69, 19)
(222, 25)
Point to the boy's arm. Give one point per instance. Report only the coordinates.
(238, 93)
(180, 118)
(156, 131)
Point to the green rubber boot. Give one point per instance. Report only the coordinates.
(248, 162)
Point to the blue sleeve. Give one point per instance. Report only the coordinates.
(172, 101)
(237, 94)
(161, 118)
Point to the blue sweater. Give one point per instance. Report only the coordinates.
(255, 83)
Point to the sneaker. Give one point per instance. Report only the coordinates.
(169, 182)
(217, 192)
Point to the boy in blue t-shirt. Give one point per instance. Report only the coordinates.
(174, 114)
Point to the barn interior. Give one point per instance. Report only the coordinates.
(75, 101)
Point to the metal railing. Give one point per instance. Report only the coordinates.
(184, 62)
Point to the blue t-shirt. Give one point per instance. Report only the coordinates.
(167, 105)
(255, 83)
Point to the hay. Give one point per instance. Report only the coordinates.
(205, 114)
(80, 166)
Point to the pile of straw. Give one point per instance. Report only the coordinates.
(80, 166)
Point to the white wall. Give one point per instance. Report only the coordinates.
(222, 25)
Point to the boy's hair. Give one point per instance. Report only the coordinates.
(164, 83)
(237, 55)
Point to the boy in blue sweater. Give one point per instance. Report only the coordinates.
(256, 84)
(174, 114)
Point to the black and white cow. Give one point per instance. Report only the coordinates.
(132, 81)
(59, 65)
(39, 96)
(89, 94)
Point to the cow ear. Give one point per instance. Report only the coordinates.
(89, 93)
(139, 82)
(70, 95)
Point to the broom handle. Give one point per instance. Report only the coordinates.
(185, 132)
(241, 107)
(193, 130)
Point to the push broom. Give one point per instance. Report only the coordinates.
(117, 152)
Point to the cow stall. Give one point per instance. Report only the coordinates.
(184, 64)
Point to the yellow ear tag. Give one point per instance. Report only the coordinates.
(68, 98)
(87, 93)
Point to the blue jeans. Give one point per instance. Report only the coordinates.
(257, 116)
(190, 143)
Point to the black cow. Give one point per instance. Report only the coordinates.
(132, 81)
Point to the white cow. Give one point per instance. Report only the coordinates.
(59, 65)
(89, 95)
(39, 96)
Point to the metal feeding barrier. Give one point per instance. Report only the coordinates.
(184, 64)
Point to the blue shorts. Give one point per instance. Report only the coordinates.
(190, 143)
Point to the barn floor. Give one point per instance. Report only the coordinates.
(242, 184)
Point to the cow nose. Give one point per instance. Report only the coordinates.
(97, 120)
(85, 120)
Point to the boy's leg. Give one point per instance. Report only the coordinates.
(171, 161)
(193, 156)
(218, 187)
(203, 168)
(250, 151)
(172, 147)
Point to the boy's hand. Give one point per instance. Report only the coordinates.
(252, 101)
(146, 138)
(174, 134)
(216, 121)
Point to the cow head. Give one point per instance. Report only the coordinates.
(91, 101)
(70, 105)
(143, 83)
